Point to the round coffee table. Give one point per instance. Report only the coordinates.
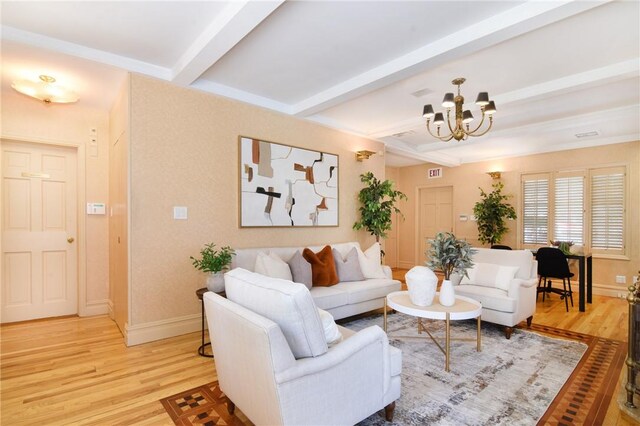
(464, 308)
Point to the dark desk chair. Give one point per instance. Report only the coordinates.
(552, 263)
(500, 247)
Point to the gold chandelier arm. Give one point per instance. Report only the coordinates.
(483, 133)
(479, 125)
(449, 121)
(442, 138)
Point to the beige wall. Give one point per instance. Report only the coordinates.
(467, 178)
(184, 152)
(25, 119)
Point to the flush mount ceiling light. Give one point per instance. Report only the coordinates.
(461, 130)
(46, 90)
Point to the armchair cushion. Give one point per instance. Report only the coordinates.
(490, 298)
(286, 303)
(331, 332)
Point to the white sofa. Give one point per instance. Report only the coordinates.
(341, 300)
(273, 361)
(508, 295)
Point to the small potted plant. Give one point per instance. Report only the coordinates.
(449, 255)
(214, 262)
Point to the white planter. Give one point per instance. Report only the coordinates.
(447, 293)
(421, 283)
(215, 282)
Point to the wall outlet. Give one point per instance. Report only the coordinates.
(621, 279)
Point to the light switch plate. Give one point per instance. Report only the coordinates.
(180, 212)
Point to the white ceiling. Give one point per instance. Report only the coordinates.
(554, 68)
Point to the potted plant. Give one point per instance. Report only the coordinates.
(449, 255)
(378, 199)
(214, 262)
(491, 213)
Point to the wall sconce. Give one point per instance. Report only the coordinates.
(494, 175)
(363, 155)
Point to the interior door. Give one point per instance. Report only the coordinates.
(39, 228)
(436, 215)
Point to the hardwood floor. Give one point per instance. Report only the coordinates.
(78, 371)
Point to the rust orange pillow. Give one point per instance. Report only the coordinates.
(323, 270)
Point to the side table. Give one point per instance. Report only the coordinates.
(199, 293)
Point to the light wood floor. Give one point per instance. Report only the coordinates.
(78, 371)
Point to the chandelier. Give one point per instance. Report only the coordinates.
(461, 130)
(46, 90)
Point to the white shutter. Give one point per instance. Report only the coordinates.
(535, 210)
(608, 210)
(568, 216)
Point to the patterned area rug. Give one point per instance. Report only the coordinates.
(529, 379)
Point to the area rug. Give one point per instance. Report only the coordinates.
(510, 382)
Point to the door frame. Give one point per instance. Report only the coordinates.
(416, 254)
(84, 309)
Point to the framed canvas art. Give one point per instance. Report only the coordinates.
(281, 185)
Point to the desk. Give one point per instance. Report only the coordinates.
(582, 260)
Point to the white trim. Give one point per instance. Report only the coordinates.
(156, 330)
(97, 307)
(607, 290)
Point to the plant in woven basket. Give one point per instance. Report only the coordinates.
(449, 255)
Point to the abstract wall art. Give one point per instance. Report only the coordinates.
(282, 185)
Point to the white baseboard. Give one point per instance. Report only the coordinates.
(608, 290)
(405, 265)
(111, 312)
(97, 307)
(157, 330)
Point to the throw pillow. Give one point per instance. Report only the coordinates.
(370, 262)
(323, 269)
(331, 332)
(348, 268)
(300, 269)
(490, 275)
(272, 266)
(505, 275)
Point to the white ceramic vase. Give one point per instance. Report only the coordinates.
(421, 283)
(447, 293)
(215, 282)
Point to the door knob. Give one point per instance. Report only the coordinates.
(70, 240)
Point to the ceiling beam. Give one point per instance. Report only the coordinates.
(236, 21)
(511, 23)
(405, 150)
(72, 49)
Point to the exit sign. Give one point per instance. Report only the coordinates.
(435, 173)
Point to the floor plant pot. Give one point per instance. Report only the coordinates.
(447, 294)
(215, 282)
(421, 283)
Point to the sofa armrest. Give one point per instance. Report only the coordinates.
(387, 271)
(517, 284)
(370, 336)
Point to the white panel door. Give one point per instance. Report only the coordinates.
(436, 215)
(39, 227)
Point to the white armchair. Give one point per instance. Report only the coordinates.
(286, 374)
(504, 282)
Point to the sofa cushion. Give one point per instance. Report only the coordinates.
(300, 269)
(523, 259)
(323, 268)
(348, 269)
(329, 297)
(363, 291)
(370, 262)
(490, 275)
(286, 303)
(490, 298)
(331, 333)
(272, 266)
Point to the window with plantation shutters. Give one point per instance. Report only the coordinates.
(568, 214)
(608, 210)
(535, 209)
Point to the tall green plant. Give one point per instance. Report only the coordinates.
(491, 213)
(378, 201)
(450, 255)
